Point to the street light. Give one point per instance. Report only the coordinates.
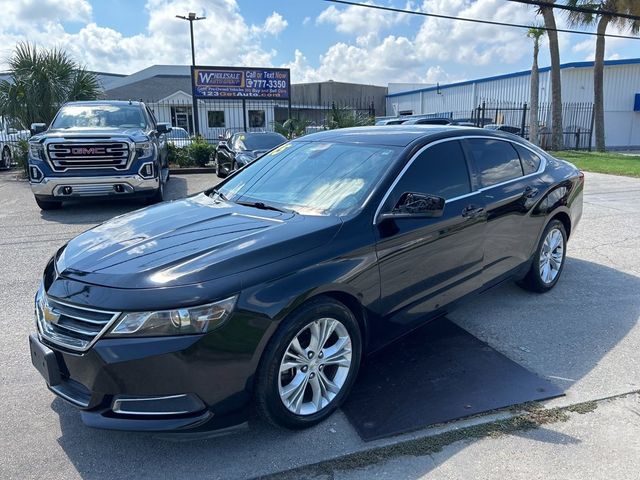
(192, 17)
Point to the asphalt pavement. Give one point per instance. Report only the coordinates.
(583, 335)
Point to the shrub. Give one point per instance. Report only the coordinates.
(21, 155)
(200, 151)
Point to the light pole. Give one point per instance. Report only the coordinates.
(192, 17)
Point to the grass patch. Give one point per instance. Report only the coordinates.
(607, 162)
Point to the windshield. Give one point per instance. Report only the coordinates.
(179, 133)
(312, 178)
(100, 116)
(263, 141)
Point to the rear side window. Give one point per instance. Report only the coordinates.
(439, 170)
(496, 161)
(530, 161)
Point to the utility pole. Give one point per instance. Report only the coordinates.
(192, 17)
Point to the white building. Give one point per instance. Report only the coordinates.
(621, 96)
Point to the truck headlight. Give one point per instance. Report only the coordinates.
(144, 149)
(182, 321)
(36, 150)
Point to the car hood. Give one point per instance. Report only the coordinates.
(189, 241)
(133, 134)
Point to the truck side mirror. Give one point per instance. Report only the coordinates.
(163, 128)
(37, 128)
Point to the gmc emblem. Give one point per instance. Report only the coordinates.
(88, 151)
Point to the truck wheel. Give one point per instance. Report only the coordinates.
(158, 196)
(48, 204)
(5, 161)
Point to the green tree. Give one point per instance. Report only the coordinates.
(346, 117)
(40, 82)
(602, 20)
(536, 34)
(557, 139)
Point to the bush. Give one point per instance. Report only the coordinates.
(21, 155)
(200, 151)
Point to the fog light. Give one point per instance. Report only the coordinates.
(146, 170)
(35, 174)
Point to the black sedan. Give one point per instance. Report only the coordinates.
(272, 286)
(239, 149)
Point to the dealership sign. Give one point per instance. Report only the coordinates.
(232, 82)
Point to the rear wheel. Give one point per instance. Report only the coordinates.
(48, 204)
(5, 160)
(548, 260)
(309, 365)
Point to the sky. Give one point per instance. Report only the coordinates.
(316, 39)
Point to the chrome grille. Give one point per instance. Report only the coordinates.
(72, 155)
(71, 326)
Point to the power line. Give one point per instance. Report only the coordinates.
(559, 6)
(474, 20)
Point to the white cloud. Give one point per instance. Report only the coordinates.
(26, 11)
(273, 25)
(359, 20)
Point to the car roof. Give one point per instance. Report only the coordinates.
(396, 135)
(104, 102)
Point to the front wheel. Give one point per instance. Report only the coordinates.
(309, 365)
(158, 196)
(5, 160)
(548, 260)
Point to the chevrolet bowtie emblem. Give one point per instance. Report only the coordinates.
(49, 314)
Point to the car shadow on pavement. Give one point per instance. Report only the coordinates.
(566, 334)
(93, 211)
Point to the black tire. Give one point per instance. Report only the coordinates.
(158, 195)
(533, 280)
(5, 158)
(268, 402)
(48, 204)
(219, 173)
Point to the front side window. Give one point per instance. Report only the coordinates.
(496, 161)
(256, 119)
(215, 119)
(439, 170)
(100, 116)
(313, 178)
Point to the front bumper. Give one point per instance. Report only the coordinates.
(147, 384)
(94, 186)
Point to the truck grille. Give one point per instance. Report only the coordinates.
(71, 326)
(66, 156)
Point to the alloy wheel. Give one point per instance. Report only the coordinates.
(315, 366)
(551, 256)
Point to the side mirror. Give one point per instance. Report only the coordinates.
(163, 128)
(222, 144)
(220, 137)
(417, 205)
(37, 128)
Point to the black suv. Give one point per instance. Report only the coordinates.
(98, 149)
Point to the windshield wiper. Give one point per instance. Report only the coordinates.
(263, 206)
(219, 194)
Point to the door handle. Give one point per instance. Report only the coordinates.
(472, 211)
(530, 192)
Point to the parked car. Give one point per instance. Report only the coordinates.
(179, 137)
(243, 148)
(274, 284)
(503, 128)
(98, 149)
(428, 121)
(9, 138)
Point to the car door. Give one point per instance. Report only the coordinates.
(508, 196)
(427, 263)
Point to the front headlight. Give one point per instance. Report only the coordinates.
(182, 321)
(144, 149)
(36, 150)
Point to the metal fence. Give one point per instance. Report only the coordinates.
(218, 117)
(577, 121)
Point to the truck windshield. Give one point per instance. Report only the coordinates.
(100, 116)
(312, 178)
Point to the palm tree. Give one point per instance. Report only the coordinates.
(535, 33)
(557, 140)
(602, 21)
(40, 82)
(346, 117)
